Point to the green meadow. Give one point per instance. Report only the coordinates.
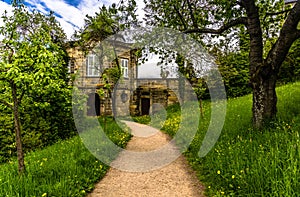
(245, 161)
(66, 168)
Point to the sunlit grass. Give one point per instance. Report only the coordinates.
(65, 169)
(245, 161)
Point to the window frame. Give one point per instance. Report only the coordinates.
(92, 70)
(125, 69)
(71, 66)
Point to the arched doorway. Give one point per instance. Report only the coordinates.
(93, 105)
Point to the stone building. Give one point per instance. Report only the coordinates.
(129, 95)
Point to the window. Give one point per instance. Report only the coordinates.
(92, 64)
(71, 66)
(124, 65)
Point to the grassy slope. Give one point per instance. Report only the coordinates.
(247, 162)
(244, 162)
(65, 169)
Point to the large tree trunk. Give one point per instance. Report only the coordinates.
(258, 82)
(20, 154)
(264, 72)
(264, 99)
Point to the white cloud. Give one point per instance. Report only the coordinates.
(149, 70)
(90, 7)
(4, 6)
(70, 16)
(68, 13)
(140, 11)
(69, 29)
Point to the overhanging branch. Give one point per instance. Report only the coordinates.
(180, 17)
(278, 13)
(192, 14)
(288, 35)
(238, 21)
(240, 3)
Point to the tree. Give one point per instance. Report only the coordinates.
(32, 59)
(108, 21)
(234, 68)
(271, 26)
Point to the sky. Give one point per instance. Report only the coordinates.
(71, 14)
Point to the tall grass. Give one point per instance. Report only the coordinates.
(65, 169)
(245, 161)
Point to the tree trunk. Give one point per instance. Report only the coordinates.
(264, 99)
(258, 82)
(20, 154)
(264, 72)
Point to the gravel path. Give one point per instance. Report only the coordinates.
(175, 179)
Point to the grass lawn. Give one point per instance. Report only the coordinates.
(244, 161)
(66, 168)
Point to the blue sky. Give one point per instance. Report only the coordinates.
(69, 13)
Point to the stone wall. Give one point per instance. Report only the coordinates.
(129, 96)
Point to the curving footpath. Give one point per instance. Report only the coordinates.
(175, 179)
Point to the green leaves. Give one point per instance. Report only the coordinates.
(234, 68)
(32, 75)
(29, 51)
(109, 20)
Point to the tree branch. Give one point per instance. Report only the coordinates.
(238, 21)
(192, 15)
(6, 104)
(21, 96)
(180, 17)
(241, 3)
(288, 34)
(278, 13)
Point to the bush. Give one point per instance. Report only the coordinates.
(234, 68)
(43, 123)
(7, 138)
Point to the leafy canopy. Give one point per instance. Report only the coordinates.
(31, 52)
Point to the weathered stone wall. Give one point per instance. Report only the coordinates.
(130, 96)
(89, 85)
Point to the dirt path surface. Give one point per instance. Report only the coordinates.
(174, 179)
